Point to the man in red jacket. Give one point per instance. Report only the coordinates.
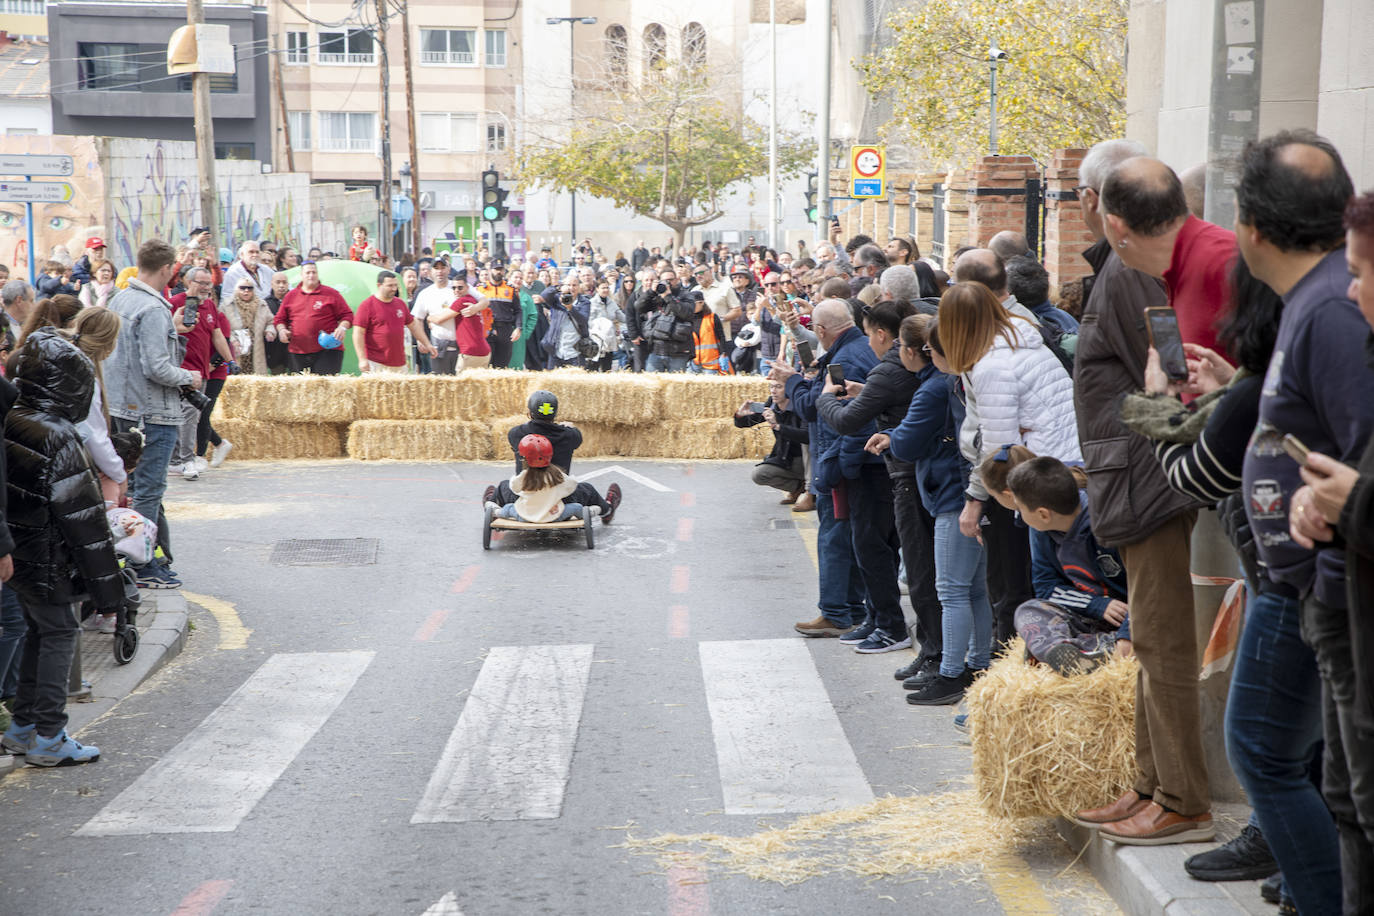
(312, 321)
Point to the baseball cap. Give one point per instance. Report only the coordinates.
(198, 230)
(96, 242)
(740, 270)
(226, 256)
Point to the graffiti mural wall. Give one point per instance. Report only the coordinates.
(128, 191)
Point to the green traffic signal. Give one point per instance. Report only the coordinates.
(490, 213)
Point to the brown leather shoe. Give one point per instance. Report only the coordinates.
(821, 627)
(805, 503)
(1125, 806)
(791, 498)
(1154, 825)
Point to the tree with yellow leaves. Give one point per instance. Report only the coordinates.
(1064, 83)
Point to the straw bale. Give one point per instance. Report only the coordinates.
(1044, 744)
(758, 441)
(699, 439)
(497, 392)
(603, 440)
(270, 440)
(624, 398)
(292, 398)
(702, 397)
(413, 397)
(419, 440)
(498, 430)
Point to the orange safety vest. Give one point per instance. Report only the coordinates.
(708, 355)
(502, 292)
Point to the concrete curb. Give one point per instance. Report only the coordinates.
(1150, 880)
(161, 639)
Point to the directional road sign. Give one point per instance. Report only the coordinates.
(867, 171)
(36, 192)
(35, 165)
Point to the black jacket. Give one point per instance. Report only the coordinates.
(886, 397)
(564, 439)
(8, 395)
(789, 438)
(682, 306)
(62, 546)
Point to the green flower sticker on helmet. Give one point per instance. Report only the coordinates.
(543, 403)
(546, 408)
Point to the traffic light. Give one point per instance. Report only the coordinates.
(812, 180)
(493, 196)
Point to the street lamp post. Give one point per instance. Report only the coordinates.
(995, 56)
(573, 22)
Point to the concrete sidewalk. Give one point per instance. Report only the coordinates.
(1150, 880)
(162, 627)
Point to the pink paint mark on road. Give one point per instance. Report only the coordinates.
(688, 892)
(684, 529)
(688, 500)
(680, 580)
(433, 623)
(464, 581)
(679, 624)
(203, 900)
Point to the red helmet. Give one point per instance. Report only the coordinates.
(537, 451)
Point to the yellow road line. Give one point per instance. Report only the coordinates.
(1017, 890)
(232, 633)
(806, 527)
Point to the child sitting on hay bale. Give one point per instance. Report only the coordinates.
(1080, 613)
(563, 439)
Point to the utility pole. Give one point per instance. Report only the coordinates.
(384, 224)
(773, 124)
(281, 103)
(410, 130)
(823, 162)
(573, 22)
(205, 135)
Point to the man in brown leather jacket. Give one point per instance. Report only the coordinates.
(1136, 511)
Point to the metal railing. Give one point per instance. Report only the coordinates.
(448, 57)
(351, 57)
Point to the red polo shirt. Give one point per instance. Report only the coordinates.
(199, 343)
(384, 330)
(307, 314)
(1198, 279)
(472, 336)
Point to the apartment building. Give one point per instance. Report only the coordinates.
(465, 70)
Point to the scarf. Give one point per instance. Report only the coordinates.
(709, 357)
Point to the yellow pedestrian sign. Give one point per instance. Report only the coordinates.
(867, 171)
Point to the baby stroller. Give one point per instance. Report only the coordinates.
(126, 617)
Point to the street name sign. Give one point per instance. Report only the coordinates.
(35, 165)
(35, 192)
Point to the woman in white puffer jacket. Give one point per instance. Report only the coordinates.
(1017, 387)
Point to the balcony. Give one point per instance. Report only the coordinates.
(348, 58)
(463, 58)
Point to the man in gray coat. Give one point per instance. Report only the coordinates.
(143, 381)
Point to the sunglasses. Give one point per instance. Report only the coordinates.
(770, 284)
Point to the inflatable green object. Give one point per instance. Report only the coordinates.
(355, 281)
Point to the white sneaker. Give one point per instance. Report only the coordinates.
(220, 453)
(174, 469)
(91, 623)
(107, 623)
(189, 472)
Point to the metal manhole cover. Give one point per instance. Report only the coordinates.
(325, 552)
(779, 524)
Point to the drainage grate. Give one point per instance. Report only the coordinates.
(780, 524)
(325, 552)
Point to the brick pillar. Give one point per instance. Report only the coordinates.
(997, 196)
(956, 214)
(1066, 238)
(925, 209)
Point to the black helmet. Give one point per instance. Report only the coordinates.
(543, 405)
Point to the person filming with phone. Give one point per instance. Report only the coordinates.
(785, 467)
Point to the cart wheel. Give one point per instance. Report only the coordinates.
(486, 528)
(591, 532)
(126, 646)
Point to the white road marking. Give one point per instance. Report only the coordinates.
(779, 743)
(509, 755)
(211, 780)
(625, 472)
(446, 906)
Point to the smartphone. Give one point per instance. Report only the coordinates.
(757, 407)
(1168, 343)
(1295, 449)
(834, 220)
(836, 374)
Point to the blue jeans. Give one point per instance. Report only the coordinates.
(148, 482)
(1273, 732)
(961, 567)
(570, 510)
(12, 630)
(841, 588)
(656, 363)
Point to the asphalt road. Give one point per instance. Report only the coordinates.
(450, 730)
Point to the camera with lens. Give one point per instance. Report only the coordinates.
(190, 311)
(566, 298)
(194, 397)
(661, 288)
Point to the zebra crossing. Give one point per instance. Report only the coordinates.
(778, 742)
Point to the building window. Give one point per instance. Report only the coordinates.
(655, 49)
(219, 82)
(20, 131)
(496, 47)
(496, 138)
(102, 65)
(444, 132)
(24, 7)
(694, 45)
(240, 151)
(298, 47)
(299, 124)
(348, 131)
(354, 46)
(617, 55)
(448, 46)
